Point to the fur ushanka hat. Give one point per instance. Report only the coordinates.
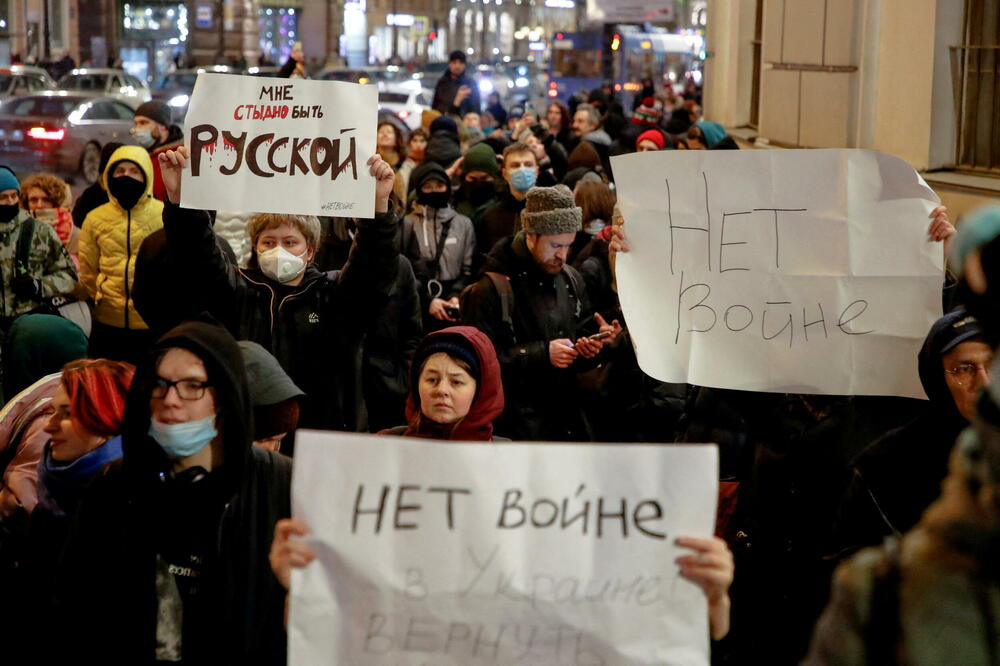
(551, 211)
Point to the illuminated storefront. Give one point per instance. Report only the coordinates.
(154, 37)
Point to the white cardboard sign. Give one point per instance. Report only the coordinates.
(800, 271)
(466, 554)
(280, 146)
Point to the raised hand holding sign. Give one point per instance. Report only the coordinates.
(289, 147)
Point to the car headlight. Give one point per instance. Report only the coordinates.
(179, 100)
(486, 86)
(521, 82)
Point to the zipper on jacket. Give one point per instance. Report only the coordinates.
(295, 295)
(128, 259)
(270, 309)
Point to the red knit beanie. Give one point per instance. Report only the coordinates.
(654, 135)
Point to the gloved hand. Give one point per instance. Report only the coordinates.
(27, 288)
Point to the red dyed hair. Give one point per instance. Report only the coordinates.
(96, 390)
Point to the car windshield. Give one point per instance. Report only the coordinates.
(5, 82)
(393, 98)
(51, 107)
(83, 81)
(185, 80)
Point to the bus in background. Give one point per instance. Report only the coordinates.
(575, 64)
(667, 58)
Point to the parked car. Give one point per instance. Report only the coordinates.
(61, 132)
(266, 70)
(108, 82)
(346, 74)
(175, 88)
(386, 74)
(21, 80)
(405, 102)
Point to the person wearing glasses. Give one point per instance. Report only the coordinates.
(897, 477)
(171, 544)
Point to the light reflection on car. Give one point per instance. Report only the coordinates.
(106, 81)
(61, 132)
(21, 80)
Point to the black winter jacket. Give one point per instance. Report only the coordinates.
(316, 329)
(541, 400)
(445, 91)
(393, 337)
(108, 576)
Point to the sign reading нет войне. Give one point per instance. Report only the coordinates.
(469, 554)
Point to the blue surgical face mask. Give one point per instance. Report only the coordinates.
(181, 440)
(523, 179)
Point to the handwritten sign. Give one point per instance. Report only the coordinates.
(465, 554)
(800, 271)
(280, 146)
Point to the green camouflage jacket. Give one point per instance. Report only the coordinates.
(48, 261)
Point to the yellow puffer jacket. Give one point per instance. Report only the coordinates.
(110, 240)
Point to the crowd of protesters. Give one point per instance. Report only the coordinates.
(157, 361)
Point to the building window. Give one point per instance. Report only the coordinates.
(278, 32)
(976, 69)
(56, 19)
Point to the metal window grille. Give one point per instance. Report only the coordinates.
(976, 78)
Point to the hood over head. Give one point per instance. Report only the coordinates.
(714, 132)
(425, 172)
(947, 332)
(488, 403)
(144, 459)
(135, 154)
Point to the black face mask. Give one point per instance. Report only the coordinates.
(126, 190)
(8, 212)
(436, 200)
(480, 192)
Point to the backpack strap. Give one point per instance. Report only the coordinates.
(576, 280)
(502, 284)
(22, 252)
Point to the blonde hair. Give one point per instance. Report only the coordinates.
(308, 225)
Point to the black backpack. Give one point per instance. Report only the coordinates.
(502, 284)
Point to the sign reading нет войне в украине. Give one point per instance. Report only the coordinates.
(475, 554)
(791, 271)
(280, 146)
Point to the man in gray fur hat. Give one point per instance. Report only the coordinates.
(534, 308)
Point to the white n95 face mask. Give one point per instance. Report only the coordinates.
(280, 264)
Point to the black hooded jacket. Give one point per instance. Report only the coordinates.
(138, 510)
(542, 400)
(392, 338)
(897, 477)
(315, 329)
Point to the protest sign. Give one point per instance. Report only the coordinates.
(280, 146)
(462, 554)
(800, 271)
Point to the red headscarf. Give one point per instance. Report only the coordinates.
(486, 406)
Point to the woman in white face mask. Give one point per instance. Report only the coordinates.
(312, 322)
(283, 245)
